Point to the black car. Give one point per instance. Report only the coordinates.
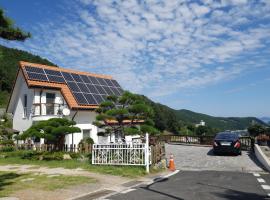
(227, 142)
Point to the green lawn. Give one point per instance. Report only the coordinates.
(126, 171)
(10, 182)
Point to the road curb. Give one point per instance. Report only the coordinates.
(262, 157)
(184, 144)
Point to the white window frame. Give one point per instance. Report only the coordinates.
(89, 136)
(25, 103)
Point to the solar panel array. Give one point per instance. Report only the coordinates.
(87, 90)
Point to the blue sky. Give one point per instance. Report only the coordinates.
(207, 56)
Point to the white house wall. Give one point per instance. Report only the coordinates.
(21, 122)
(84, 120)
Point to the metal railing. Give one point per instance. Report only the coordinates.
(119, 154)
(246, 141)
(39, 109)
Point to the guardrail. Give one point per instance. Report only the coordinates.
(246, 141)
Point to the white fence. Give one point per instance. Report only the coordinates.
(121, 154)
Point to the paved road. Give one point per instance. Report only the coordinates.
(202, 158)
(204, 176)
(202, 185)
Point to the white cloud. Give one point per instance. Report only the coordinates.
(157, 48)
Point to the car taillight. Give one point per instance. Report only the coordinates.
(215, 144)
(237, 144)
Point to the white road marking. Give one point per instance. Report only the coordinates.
(256, 174)
(171, 174)
(266, 187)
(261, 180)
(128, 190)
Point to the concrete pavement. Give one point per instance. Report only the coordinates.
(202, 158)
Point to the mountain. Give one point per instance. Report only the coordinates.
(165, 117)
(265, 119)
(9, 59)
(223, 123)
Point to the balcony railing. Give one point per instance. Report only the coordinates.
(40, 109)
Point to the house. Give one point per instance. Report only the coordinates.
(202, 123)
(41, 92)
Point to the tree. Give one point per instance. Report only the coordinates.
(125, 115)
(8, 31)
(52, 130)
(201, 130)
(256, 129)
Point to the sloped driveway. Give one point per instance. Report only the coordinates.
(201, 158)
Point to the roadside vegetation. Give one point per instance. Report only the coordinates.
(11, 182)
(55, 159)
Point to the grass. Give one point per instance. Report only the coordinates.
(10, 182)
(125, 171)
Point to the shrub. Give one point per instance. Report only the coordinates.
(87, 141)
(7, 142)
(31, 155)
(74, 155)
(7, 149)
(53, 155)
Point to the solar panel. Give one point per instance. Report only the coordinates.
(76, 77)
(52, 72)
(73, 86)
(101, 81)
(90, 99)
(93, 80)
(98, 98)
(87, 90)
(109, 82)
(85, 79)
(36, 76)
(92, 89)
(58, 79)
(80, 98)
(115, 91)
(100, 89)
(108, 90)
(67, 76)
(115, 83)
(83, 87)
(34, 69)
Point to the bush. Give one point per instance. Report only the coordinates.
(87, 141)
(52, 155)
(31, 155)
(7, 142)
(74, 155)
(7, 149)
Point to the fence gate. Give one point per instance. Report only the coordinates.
(122, 154)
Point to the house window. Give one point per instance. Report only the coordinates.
(50, 97)
(25, 105)
(86, 133)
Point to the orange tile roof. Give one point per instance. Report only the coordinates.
(65, 91)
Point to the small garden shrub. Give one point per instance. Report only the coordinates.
(87, 141)
(7, 142)
(31, 155)
(7, 149)
(52, 155)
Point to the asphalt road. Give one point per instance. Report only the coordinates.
(202, 185)
(204, 176)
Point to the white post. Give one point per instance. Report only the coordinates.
(147, 152)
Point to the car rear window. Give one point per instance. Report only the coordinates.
(226, 136)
